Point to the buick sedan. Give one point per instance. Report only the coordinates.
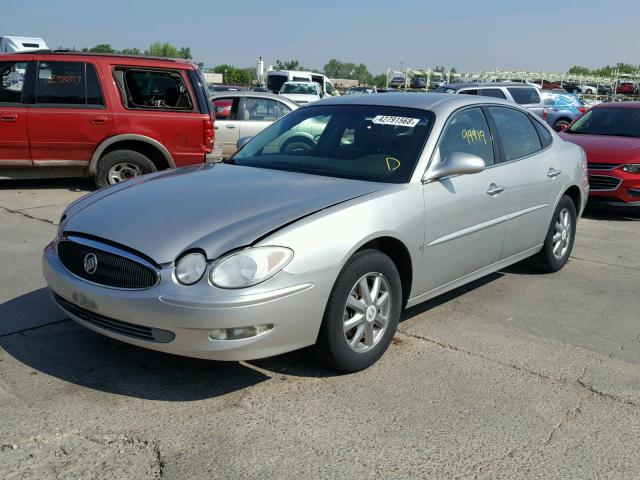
(398, 198)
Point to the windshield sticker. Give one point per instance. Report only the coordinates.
(392, 163)
(399, 121)
(472, 135)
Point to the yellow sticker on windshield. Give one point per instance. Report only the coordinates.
(392, 163)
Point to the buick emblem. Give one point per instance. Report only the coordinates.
(90, 263)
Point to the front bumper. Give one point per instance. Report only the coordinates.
(293, 304)
(624, 191)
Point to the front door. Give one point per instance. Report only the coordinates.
(465, 214)
(227, 124)
(530, 167)
(14, 140)
(258, 113)
(68, 117)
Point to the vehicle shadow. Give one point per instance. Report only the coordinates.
(62, 349)
(593, 213)
(70, 184)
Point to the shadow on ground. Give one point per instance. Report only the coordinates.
(613, 215)
(70, 184)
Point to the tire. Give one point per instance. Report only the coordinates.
(561, 123)
(333, 345)
(131, 162)
(297, 144)
(546, 260)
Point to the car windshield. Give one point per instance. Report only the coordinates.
(303, 88)
(372, 143)
(621, 122)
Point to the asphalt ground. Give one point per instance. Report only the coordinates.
(518, 375)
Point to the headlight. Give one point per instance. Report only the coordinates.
(190, 268)
(631, 168)
(250, 267)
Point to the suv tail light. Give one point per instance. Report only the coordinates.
(208, 133)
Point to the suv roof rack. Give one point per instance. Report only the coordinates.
(66, 51)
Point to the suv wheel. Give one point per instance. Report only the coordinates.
(362, 313)
(121, 165)
(559, 240)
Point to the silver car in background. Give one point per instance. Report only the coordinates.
(401, 197)
(245, 114)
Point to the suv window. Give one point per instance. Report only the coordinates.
(11, 80)
(155, 89)
(468, 92)
(68, 83)
(518, 135)
(492, 92)
(524, 95)
(468, 132)
(261, 109)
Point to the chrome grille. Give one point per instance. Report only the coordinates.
(116, 326)
(113, 267)
(603, 166)
(603, 183)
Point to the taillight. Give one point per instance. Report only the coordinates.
(545, 114)
(208, 132)
(582, 109)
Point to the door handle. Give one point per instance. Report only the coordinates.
(99, 120)
(10, 117)
(495, 189)
(230, 126)
(552, 173)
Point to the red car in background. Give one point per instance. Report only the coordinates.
(610, 135)
(547, 85)
(626, 88)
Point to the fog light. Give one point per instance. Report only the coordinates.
(238, 333)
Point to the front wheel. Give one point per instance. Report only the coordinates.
(362, 314)
(560, 125)
(559, 240)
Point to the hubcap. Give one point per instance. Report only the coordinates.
(123, 171)
(562, 234)
(366, 314)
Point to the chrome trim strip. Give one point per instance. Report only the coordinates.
(110, 249)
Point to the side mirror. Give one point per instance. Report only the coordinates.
(242, 142)
(457, 163)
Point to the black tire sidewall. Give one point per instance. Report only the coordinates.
(551, 263)
(331, 337)
(119, 156)
(288, 145)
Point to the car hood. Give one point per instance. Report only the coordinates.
(606, 149)
(213, 207)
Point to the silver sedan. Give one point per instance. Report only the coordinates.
(398, 199)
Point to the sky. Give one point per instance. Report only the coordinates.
(466, 34)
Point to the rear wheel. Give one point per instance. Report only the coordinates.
(362, 313)
(297, 145)
(559, 240)
(560, 124)
(120, 165)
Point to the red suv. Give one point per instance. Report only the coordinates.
(112, 117)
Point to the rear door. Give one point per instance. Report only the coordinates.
(258, 113)
(227, 124)
(530, 165)
(14, 140)
(68, 117)
(529, 98)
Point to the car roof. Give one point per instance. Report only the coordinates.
(629, 105)
(457, 86)
(250, 94)
(141, 58)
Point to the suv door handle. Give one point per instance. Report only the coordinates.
(99, 120)
(9, 117)
(495, 189)
(230, 126)
(552, 173)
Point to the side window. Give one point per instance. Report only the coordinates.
(226, 108)
(519, 137)
(468, 132)
(543, 133)
(492, 92)
(524, 95)
(61, 83)
(94, 94)
(468, 92)
(283, 110)
(11, 80)
(260, 109)
(328, 87)
(156, 90)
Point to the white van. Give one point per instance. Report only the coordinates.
(277, 78)
(21, 44)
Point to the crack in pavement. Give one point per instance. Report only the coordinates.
(606, 263)
(26, 215)
(569, 416)
(580, 382)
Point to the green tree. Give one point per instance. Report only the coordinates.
(158, 49)
(102, 48)
(579, 70)
(233, 75)
(131, 51)
(338, 69)
(288, 65)
(185, 52)
(379, 80)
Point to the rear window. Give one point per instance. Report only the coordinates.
(153, 89)
(491, 92)
(524, 95)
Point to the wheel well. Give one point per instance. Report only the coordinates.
(574, 193)
(150, 151)
(397, 251)
(562, 119)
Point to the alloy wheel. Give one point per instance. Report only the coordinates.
(562, 234)
(123, 171)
